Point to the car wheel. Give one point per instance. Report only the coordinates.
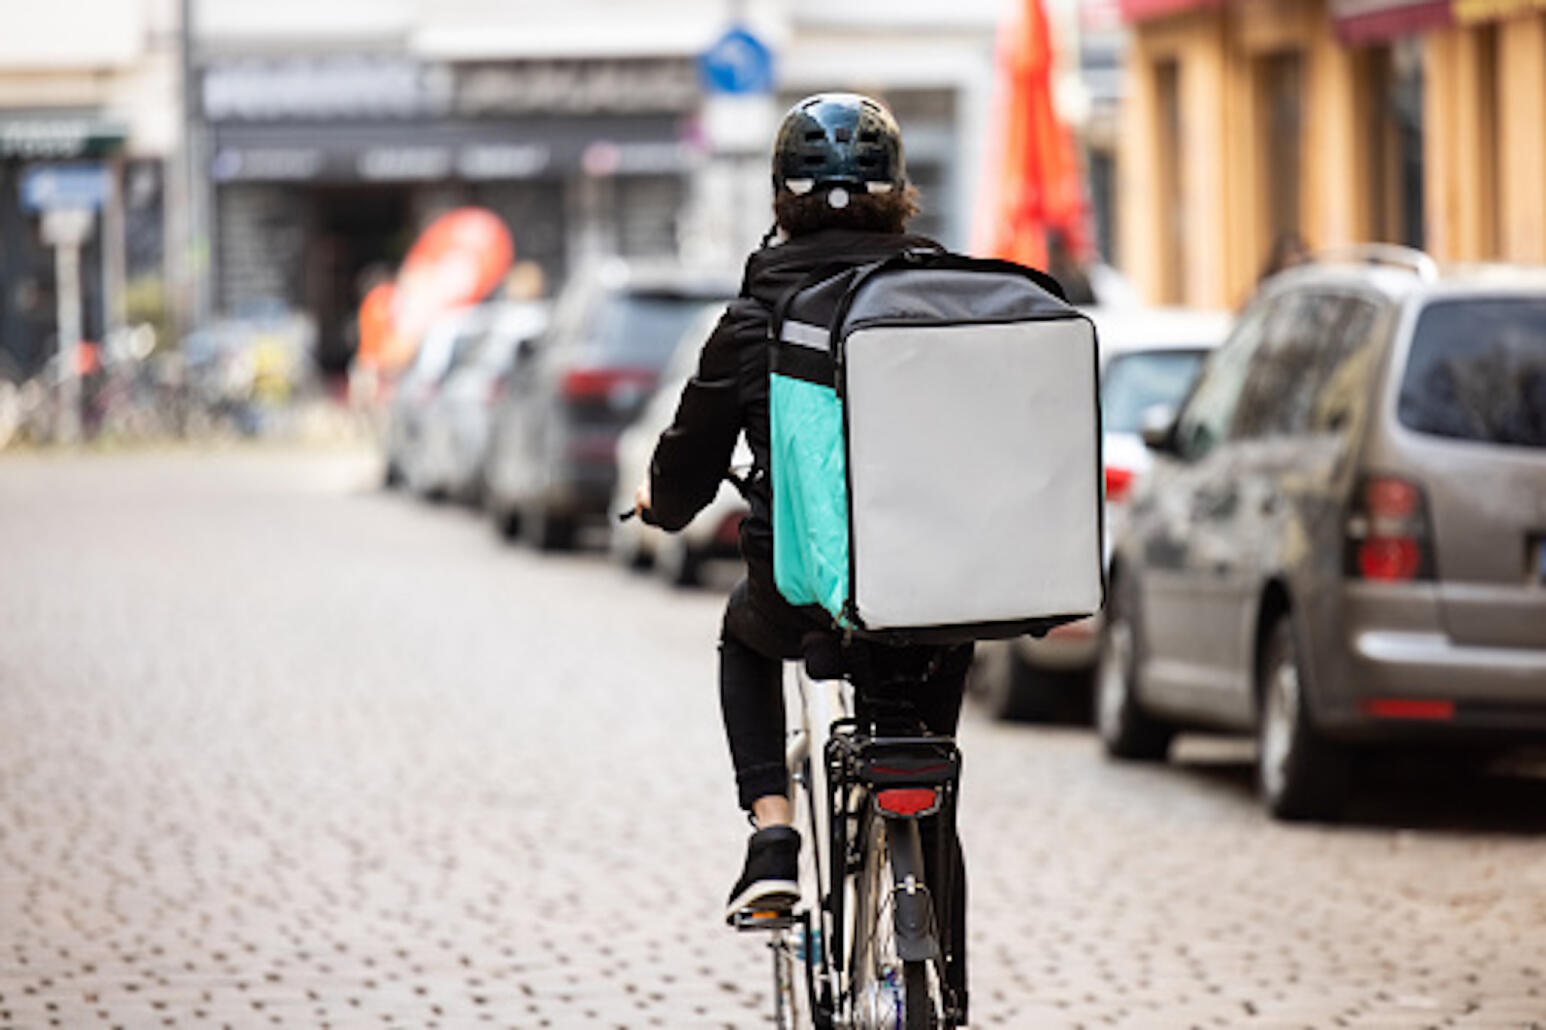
(678, 564)
(1126, 730)
(545, 530)
(1301, 775)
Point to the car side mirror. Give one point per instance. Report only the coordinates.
(1157, 427)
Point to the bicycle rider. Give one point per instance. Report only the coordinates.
(840, 196)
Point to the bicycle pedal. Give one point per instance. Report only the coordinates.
(764, 919)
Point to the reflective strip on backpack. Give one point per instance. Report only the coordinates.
(803, 334)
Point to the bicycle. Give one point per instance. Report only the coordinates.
(871, 946)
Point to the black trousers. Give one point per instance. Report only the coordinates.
(751, 697)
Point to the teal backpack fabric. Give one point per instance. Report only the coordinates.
(810, 499)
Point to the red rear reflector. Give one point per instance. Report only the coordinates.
(1389, 558)
(1118, 482)
(907, 800)
(1391, 498)
(1404, 708)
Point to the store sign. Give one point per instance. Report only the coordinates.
(324, 89)
(576, 87)
(1373, 21)
(58, 138)
(64, 187)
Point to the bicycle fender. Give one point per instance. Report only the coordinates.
(912, 905)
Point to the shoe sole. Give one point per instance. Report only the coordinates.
(770, 894)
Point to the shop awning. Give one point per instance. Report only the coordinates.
(59, 137)
(1374, 21)
(1144, 10)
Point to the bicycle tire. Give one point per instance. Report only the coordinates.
(884, 986)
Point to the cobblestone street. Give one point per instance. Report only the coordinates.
(278, 748)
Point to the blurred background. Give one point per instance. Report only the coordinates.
(251, 173)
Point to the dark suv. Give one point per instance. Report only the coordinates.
(552, 459)
(1343, 542)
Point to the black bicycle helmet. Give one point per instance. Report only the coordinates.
(840, 142)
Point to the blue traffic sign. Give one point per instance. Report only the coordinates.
(79, 187)
(738, 63)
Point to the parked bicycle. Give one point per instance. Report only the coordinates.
(871, 946)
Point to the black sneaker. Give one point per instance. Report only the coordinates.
(771, 878)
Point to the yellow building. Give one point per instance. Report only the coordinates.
(1250, 122)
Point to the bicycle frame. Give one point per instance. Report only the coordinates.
(840, 808)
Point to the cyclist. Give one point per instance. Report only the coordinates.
(840, 196)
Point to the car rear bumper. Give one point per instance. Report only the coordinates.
(1419, 683)
(1069, 648)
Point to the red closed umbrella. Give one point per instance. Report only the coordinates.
(1037, 185)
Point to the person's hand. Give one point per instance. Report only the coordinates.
(641, 497)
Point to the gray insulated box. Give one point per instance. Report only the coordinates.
(972, 425)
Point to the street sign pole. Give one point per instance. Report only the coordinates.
(66, 229)
(67, 196)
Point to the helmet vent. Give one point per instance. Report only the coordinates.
(814, 159)
(869, 136)
(814, 135)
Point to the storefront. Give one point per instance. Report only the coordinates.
(28, 311)
(1252, 124)
(324, 169)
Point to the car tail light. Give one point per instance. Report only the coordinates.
(729, 531)
(618, 386)
(907, 801)
(1409, 708)
(1388, 532)
(1119, 481)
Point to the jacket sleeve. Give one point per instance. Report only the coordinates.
(693, 454)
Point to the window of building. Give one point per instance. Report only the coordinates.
(1279, 113)
(1168, 192)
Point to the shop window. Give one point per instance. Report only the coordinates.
(1393, 128)
(1169, 194)
(1279, 113)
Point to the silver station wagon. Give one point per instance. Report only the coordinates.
(1343, 540)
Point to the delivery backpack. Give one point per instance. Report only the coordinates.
(935, 460)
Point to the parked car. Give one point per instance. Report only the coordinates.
(459, 415)
(443, 342)
(552, 460)
(714, 532)
(1149, 357)
(1342, 544)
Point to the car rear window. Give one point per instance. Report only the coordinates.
(1477, 371)
(1133, 383)
(641, 328)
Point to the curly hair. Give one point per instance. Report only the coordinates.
(875, 212)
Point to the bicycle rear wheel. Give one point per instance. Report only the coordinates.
(887, 990)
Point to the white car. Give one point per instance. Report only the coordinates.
(457, 423)
(714, 533)
(447, 337)
(1149, 359)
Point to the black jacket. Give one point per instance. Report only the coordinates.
(729, 394)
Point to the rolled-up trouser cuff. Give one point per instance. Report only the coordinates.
(759, 781)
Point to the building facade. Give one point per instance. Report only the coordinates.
(329, 134)
(87, 85)
(1250, 125)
